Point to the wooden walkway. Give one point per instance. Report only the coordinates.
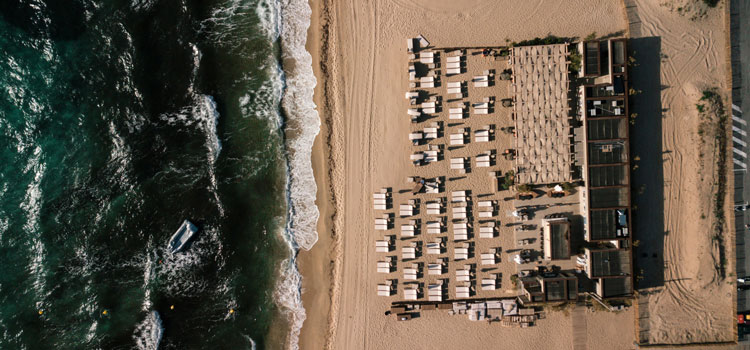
(579, 325)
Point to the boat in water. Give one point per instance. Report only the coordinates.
(183, 235)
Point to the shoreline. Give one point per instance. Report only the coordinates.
(316, 265)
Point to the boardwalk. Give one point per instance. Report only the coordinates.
(580, 337)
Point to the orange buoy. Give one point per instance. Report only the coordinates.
(171, 307)
(104, 312)
(41, 312)
(231, 311)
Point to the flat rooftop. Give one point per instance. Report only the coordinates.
(540, 93)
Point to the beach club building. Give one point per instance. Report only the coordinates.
(578, 133)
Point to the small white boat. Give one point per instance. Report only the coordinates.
(183, 235)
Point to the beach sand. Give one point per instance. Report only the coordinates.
(363, 147)
(676, 207)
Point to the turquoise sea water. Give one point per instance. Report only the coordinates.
(119, 119)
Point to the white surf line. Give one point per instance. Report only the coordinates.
(736, 108)
(741, 164)
(739, 131)
(739, 120)
(743, 154)
(735, 139)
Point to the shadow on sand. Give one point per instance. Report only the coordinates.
(648, 179)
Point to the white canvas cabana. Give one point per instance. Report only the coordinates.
(453, 65)
(484, 204)
(486, 214)
(453, 71)
(451, 59)
(427, 57)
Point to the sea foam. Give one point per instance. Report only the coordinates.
(291, 19)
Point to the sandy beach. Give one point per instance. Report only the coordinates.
(360, 60)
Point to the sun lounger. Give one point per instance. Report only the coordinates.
(410, 274)
(435, 269)
(410, 294)
(461, 253)
(406, 210)
(435, 291)
(431, 156)
(489, 283)
(453, 59)
(460, 236)
(463, 275)
(382, 246)
(486, 232)
(408, 253)
(462, 291)
(434, 248)
(384, 266)
(384, 290)
(481, 136)
(407, 230)
(480, 78)
(488, 259)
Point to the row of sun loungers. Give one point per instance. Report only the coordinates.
(453, 64)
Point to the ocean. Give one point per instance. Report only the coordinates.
(118, 120)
